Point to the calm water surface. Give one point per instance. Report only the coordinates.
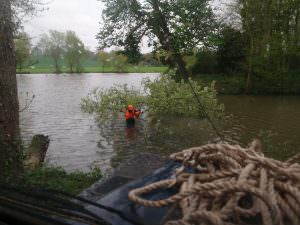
(79, 142)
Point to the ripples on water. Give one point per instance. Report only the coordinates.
(56, 112)
(79, 142)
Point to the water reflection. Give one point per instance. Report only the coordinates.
(162, 135)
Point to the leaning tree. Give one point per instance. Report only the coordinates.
(174, 27)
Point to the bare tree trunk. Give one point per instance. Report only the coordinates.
(9, 106)
(297, 29)
(57, 69)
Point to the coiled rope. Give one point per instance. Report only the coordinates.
(230, 185)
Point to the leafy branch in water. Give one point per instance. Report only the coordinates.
(161, 96)
(176, 98)
(107, 103)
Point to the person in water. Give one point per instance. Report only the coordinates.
(131, 114)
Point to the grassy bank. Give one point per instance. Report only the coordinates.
(44, 64)
(56, 178)
(131, 69)
(224, 84)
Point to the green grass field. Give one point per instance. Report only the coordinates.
(90, 65)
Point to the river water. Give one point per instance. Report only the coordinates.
(79, 142)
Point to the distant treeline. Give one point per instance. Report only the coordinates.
(57, 50)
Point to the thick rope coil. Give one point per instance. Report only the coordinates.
(230, 185)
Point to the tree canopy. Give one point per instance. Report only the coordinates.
(53, 45)
(75, 51)
(132, 49)
(270, 36)
(63, 45)
(23, 9)
(23, 50)
(172, 26)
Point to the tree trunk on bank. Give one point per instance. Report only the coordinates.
(9, 106)
(182, 72)
(57, 69)
(165, 38)
(250, 66)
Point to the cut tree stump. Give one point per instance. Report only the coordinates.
(37, 150)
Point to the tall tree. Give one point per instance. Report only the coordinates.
(104, 58)
(172, 26)
(74, 52)
(54, 46)
(118, 61)
(9, 107)
(23, 50)
(271, 28)
(11, 13)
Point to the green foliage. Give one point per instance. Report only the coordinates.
(190, 22)
(206, 62)
(175, 27)
(224, 83)
(63, 48)
(163, 96)
(22, 48)
(176, 98)
(119, 62)
(104, 59)
(93, 63)
(190, 61)
(115, 59)
(232, 51)
(74, 52)
(273, 38)
(107, 103)
(59, 179)
(98, 69)
(150, 59)
(53, 45)
(132, 49)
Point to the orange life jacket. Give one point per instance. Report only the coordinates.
(129, 115)
(132, 114)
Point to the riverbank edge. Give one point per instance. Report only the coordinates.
(145, 69)
(235, 84)
(53, 178)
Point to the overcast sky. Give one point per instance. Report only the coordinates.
(81, 16)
